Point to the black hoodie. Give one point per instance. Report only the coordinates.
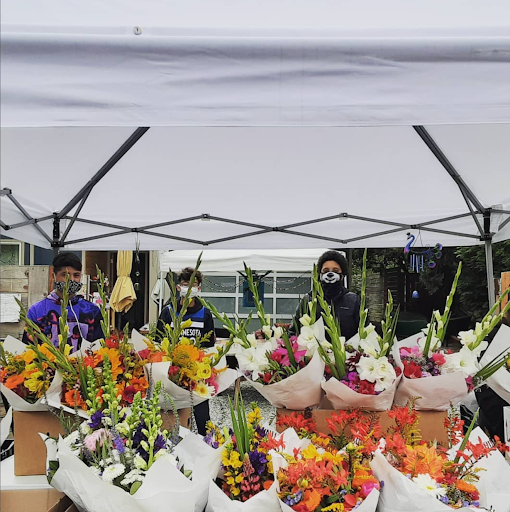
(346, 306)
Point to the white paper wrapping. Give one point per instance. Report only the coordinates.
(164, 488)
(436, 392)
(5, 426)
(299, 391)
(399, 494)
(494, 483)
(500, 381)
(181, 397)
(342, 397)
(264, 501)
(137, 341)
(368, 505)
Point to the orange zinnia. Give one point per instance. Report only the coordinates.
(74, 399)
(423, 460)
(14, 381)
(464, 486)
(139, 384)
(362, 476)
(43, 348)
(156, 357)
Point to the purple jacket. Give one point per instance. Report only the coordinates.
(84, 318)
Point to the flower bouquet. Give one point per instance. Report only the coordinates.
(120, 459)
(365, 372)
(281, 368)
(422, 476)
(500, 380)
(439, 377)
(25, 377)
(247, 481)
(333, 472)
(189, 373)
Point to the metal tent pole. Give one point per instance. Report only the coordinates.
(488, 257)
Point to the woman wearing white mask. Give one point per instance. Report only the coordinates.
(202, 323)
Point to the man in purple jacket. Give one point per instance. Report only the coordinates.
(83, 317)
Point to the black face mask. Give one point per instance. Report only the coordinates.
(331, 284)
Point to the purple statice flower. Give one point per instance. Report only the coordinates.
(381, 483)
(96, 420)
(258, 461)
(475, 503)
(444, 499)
(466, 503)
(293, 499)
(210, 439)
(118, 443)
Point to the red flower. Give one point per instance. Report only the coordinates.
(267, 377)
(173, 371)
(128, 394)
(366, 388)
(398, 370)
(111, 343)
(438, 358)
(412, 370)
(144, 354)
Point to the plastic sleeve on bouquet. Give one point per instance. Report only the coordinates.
(435, 392)
(299, 391)
(342, 397)
(18, 404)
(399, 494)
(494, 483)
(499, 381)
(163, 484)
(266, 501)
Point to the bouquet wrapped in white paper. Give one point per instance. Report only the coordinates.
(500, 380)
(32, 380)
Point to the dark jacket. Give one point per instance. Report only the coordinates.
(83, 317)
(201, 317)
(346, 306)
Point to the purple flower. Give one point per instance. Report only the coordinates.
(444, 499)
(352, 376)
(118, 444)
(258, 461)
(293, 499)
(96, 419)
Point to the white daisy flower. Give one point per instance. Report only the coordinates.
(110, 473)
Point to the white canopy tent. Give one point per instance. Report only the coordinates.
(296, 260)
(255, 124)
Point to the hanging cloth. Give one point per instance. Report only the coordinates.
(123, 293)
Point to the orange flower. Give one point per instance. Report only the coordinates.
(139, 384)
(184, 355)
(3, 374)
(464, 486)
(28, 356)
(156, 357)
(114, 357)
(362, 476)
(119, 388)
(312, 499)
(14, 381)
(43, 348)
(422, 459)
(74, 399)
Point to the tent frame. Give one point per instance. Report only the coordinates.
(59, 240)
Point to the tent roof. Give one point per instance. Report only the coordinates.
(283, 260)
(274, 125)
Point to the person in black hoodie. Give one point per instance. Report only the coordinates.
(332, 267)
(202, 324)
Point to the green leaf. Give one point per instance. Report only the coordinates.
(134, 487)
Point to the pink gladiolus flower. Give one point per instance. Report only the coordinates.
(282, 356)
(368, 487)
(410, 351)
(438, 358)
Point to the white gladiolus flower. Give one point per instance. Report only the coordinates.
(370, 345)
(310, 336)
(370, 328)
(386, 374)
(465, 361)
(435, 343)
(305, 320)
(278, 332)
(254, 359)
(437, 315)
(429, 485)
(268, 331)
(367, 368)
(469, 339)
(110, 473)
(252, 340)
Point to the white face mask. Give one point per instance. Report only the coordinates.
(194, 291)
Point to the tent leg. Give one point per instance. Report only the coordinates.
(490, 272)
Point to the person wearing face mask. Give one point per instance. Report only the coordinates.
(83, 317)
(202, 323)
(332, 267)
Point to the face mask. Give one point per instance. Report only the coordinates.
(331, 284)
(331, 277)
(74, 287)
(194, 291)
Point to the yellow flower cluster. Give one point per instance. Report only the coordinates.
(234, 470)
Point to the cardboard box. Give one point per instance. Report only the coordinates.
(184, 418)
(34, 500)
(29, 449)
(430, 422)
